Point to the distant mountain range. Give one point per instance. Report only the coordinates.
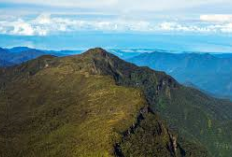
(96, 104)
(209, 72)
(17, 55)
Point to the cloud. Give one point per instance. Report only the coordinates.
(43, 19)
(20, 27)
(217, 18)
(122, 5)
(66, 3)
(46, 24)
(211, 28)
(173, 26)
(219, 22)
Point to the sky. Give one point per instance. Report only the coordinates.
(178, 25)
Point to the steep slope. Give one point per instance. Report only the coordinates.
(211, 73)
(96, 104)
(195, 116)
(58, 112)
(82, 106)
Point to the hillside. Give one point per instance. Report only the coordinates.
(71, 106)
(211, 73)
(96, 104)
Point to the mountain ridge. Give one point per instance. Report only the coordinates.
(164, 84)
(178, 121)
(209, 72)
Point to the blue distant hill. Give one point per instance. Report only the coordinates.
(209, 72)
(17, 55)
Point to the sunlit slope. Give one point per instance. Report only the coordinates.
(73, 106)
(62, 111)
(96, 104)
(194, 115)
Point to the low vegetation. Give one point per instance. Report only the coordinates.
(95, 104)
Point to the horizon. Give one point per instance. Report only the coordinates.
(116, 24)
(125, 50)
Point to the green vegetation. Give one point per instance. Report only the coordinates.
(59, 112)
(152, 138)
(186, 110)
(95, 104)
(206, 119)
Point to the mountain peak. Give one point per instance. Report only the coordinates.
(97, 52)
(97, 88)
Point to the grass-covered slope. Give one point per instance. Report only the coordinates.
(72, 106)
(95, 104)
(55, 113)
(194, 115)
(61, 111)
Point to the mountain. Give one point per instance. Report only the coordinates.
(17, 55)
(3, 56)
(95, 104)
(211, 73)
(4, 63)
(223, 55)
(19, 49)
(128, 53)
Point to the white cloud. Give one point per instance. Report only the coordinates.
(66, 3)
(18, 27)
(173, 26)
(123, 5)
(212, 28)
(43, 19)
(46, 24)
(22, 28)
(217, 18)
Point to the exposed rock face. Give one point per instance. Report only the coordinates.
(173, 144)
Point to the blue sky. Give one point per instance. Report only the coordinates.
(178, 25)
